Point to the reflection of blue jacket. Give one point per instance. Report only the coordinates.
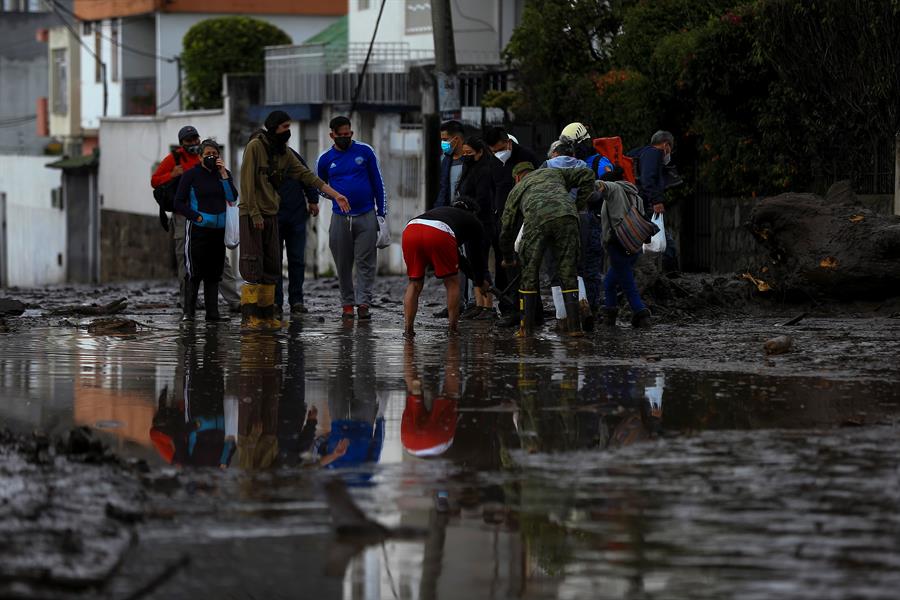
(294, 196)
(366, 440)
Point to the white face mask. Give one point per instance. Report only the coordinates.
(503, 155)
(667, 157)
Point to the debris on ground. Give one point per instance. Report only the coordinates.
(91, 310)
(830, 246)
(11, 308)
(778, 345)
(111, 326)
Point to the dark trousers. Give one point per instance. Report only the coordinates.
(260, 251)
(204, 252)
(590, 264)
(292, 232)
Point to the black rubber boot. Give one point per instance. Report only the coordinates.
(528, 302)
(191, 290)
(211, 296)
(641, 319)
(573, 314)
(610, 315)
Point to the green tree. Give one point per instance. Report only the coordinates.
(224, 45)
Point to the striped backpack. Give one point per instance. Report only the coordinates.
(634, 230)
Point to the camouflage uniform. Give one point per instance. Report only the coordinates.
(542, 199)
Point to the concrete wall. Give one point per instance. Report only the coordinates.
(482, 28)
(36, 231)
(133, 246)
(91, 89)
(22, 82)
(66, 124)
(171, 28)
(133, 146)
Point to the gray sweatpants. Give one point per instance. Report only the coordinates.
(228, 287)
(352, 240)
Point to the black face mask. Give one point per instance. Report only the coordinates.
(343, 141)
(467, 159)
(210, 162)
(193, 149)
(283, 137)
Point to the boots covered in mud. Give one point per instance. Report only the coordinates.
(258, 307)
(573, 313)
(191, 289)
(211, 302)
(528, 306)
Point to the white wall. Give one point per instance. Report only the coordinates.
(91, 90)
(131, 147)
(171, 28)
(36, 232)
(481, 27)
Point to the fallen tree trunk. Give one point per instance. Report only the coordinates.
(116, 306)
(829, 246)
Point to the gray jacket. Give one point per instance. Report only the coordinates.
(618, 197)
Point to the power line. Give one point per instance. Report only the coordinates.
(362, 75)
(55, 8)
(132, 49)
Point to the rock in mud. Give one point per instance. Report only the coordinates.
(778, 345)
(112, 326)
(11, 308)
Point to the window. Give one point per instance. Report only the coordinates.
(98, 48)
(363, 5)
(87, 28)
(418, 16)
(60, 81)
(114, 49)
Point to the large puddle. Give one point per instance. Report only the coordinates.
(513, 469)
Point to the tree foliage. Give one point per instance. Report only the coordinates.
(763, 95)
(224, 45)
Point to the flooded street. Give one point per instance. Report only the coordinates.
(676, 463)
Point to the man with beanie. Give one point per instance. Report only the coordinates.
(541, 201)
(182, 158)
(353, 234)
(267, 163)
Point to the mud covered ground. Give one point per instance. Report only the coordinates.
(680, 462)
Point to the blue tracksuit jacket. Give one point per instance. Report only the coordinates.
(355, 174)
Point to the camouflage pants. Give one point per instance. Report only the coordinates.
(562, 236)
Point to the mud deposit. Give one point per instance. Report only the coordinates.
(680, 462)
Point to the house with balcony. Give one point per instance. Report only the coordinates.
(392, 100)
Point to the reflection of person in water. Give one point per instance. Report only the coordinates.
(429, 420)
(201, 430)
(356, 433)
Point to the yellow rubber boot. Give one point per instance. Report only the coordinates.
(250, 306)
(266, 302)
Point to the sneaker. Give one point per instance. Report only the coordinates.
(347, 314)
(363, 312)
(486, 314)
(299, 309)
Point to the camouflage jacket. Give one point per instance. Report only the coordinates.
(541, 196)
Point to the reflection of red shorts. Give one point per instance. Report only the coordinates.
(425, 245)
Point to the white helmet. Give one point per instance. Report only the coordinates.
(575, 132)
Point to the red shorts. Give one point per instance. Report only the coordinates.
(424, 245)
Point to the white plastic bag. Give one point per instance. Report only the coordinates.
(384, 234)
(658, 241)
(518, 244)
(232, 226)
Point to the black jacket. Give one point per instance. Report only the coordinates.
(477, 182)
(503, 179)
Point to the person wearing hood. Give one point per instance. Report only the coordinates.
(266, 164)
(618, 198)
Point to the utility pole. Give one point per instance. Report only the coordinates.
(445, 60)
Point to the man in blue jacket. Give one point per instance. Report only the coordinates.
(298, 203)
(353, 166)
(452, 137)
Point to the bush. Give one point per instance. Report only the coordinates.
(224, 45)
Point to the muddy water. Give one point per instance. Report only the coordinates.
(679, 464)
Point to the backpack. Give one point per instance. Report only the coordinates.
(165, 194)
(270, 170)
(611, 148)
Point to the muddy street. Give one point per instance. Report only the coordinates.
(679, 462)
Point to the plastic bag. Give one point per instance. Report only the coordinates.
(658, 241)
(384, 234)
(232, 226)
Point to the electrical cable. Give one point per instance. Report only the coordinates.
(168, 59)
(177, 94)
(362, 75)
(55, 7)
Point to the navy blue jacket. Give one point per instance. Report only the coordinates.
(295, 196)
(204, 193)
(445, 194)
(651, 176)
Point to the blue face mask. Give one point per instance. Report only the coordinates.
(446, 147)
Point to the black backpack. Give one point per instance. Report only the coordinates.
(165, 194)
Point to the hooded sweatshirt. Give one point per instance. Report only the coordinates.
(618, 198)
(258, 197)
